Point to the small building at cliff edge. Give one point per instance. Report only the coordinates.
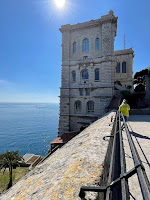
(90, 71)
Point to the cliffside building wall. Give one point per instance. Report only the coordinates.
(89, 71)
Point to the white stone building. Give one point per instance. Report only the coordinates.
(90, 69)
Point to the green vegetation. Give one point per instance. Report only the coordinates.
(18, 173)
(139, 80)
(10, 160)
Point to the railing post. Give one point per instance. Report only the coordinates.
(124, 182)
(112, 162)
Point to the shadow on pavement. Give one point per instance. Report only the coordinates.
(139, 118)
(139, 135)
(143, 137)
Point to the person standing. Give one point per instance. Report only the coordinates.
(124, 108)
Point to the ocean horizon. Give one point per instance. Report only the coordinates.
(28, 127)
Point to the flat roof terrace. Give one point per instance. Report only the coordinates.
(139, 126)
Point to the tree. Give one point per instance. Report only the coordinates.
(139, 80)
(10, 160)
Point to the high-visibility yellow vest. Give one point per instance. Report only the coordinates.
(124, 108)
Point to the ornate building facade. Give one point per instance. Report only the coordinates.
(90, 69)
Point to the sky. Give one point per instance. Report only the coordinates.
(30, 42)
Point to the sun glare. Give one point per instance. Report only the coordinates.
(57, 9)
(60, 3)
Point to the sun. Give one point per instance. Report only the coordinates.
(60, 3)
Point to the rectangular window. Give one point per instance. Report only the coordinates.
(90, 106)
(85, 57)
(85, 45)
(74, 47)
(97, 44)
(97, 74)
(87, 92)
(74, 76)
(77, 106)
(85, 74)
(81, 92)
(118, 68)
(124, 67)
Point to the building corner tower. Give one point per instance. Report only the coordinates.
(87, 79)
(90, 71)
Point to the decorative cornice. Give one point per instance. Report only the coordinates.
(89, 62)
(93, 23)
(124, 52)
(84, 116)
(87, 86)
(86, 97)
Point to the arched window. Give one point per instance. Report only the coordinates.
(96, 74)
(85, 45)
(85, 74)
(118, 68)
(74, 47)
(73, 76)
(90, 106)
(77, 107)
(97, 44)
(124, 67)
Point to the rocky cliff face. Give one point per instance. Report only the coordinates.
(77, 163)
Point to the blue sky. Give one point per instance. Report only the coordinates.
(30, 42)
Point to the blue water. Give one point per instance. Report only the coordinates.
(28, 127)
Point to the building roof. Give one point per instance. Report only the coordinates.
(124, 51)
(32, 159)
(27, 156)
(64, 138)
(57, 140)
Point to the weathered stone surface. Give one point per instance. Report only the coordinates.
(77, 163)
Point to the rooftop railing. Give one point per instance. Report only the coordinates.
(117, 187)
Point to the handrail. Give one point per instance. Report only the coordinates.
(142, 177)
(50, 153)
(117, 183)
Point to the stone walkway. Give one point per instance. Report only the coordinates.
(140, 125)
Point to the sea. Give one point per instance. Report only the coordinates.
(28, 127)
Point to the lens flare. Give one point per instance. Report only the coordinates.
(54, 10)
(60, 3)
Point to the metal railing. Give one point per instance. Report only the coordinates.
(117, 182)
